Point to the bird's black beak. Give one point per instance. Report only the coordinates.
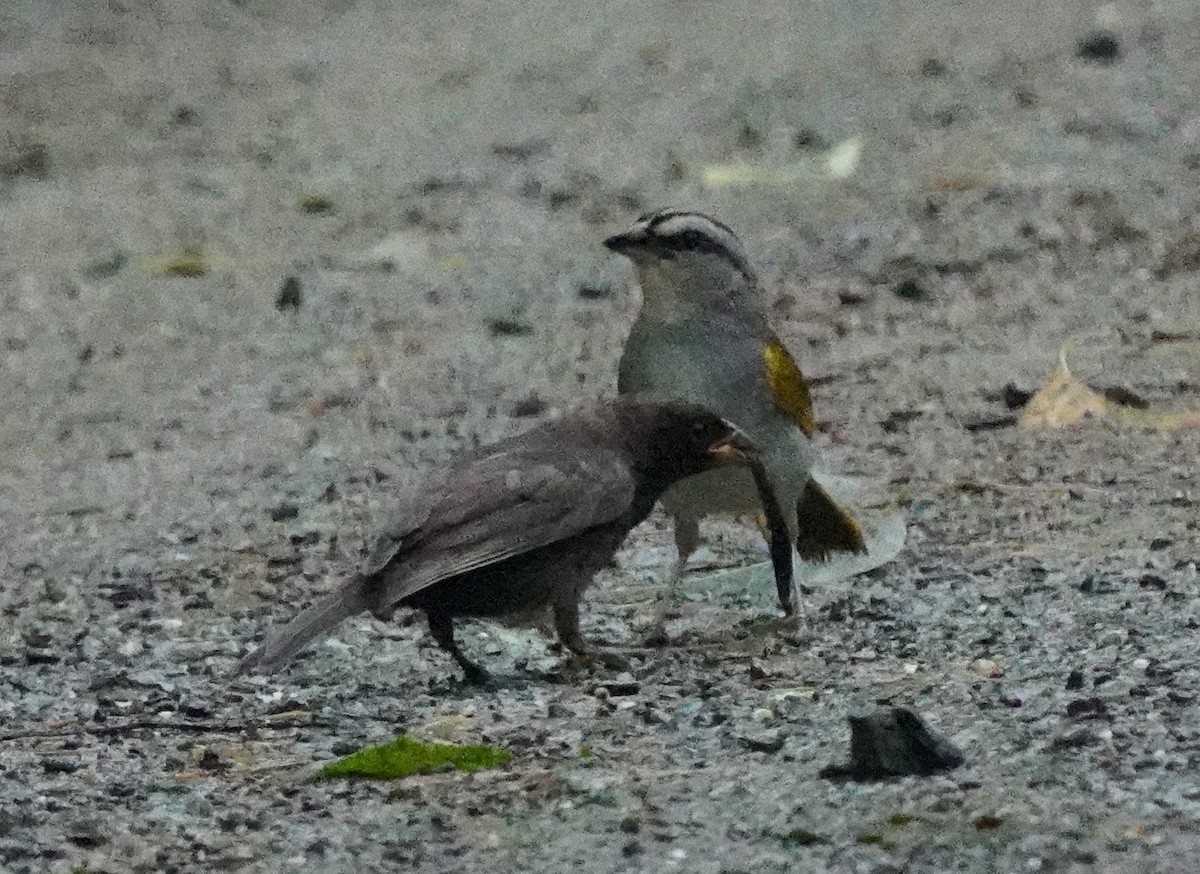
(734, 449)
(626, 241)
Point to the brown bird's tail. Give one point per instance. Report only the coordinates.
(280, 646)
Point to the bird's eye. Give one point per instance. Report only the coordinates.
(691, 239)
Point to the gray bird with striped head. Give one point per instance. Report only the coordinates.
(703, 336)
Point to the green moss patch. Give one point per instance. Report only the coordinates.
(404, 757)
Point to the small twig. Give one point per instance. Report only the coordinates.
(981, 485)
(104, 729)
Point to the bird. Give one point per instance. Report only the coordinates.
(703, 336)
(523, 524)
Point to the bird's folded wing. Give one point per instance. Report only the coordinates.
(787, 385)
(407, 515)
(503, 504)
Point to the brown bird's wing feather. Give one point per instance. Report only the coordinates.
(405, 517)
(501, 503)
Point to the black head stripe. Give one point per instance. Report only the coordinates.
(657, 218)
(677, 231)
(657, 215)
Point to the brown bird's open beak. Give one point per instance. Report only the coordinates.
(737, 449)
(734, 449)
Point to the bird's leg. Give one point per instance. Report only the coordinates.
(441, 626)
(566, 623)
(779, 539)
(687, 539)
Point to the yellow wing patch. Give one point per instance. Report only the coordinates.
(787, 386)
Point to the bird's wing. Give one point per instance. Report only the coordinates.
(717, 365)
(787, 385)
(500, 504)
(416, 496)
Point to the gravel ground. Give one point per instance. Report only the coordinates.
(185, 457)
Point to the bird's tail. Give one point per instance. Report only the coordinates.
(824, 526)
(280, 646)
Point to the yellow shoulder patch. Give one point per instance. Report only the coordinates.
(787, 386)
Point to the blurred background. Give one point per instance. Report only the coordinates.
(432, 181)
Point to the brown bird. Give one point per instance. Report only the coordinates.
(524, 524)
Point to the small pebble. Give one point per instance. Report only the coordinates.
(767, 742)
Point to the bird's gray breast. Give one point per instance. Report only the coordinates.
(720, 368)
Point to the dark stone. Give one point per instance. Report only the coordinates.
(530, 406)
(910, 289)
(932, 68)
(1124, 397)
(990, 424)
(521, 152)
(32, 160)
(284, 512)
(897, 420)
(893, 742)
(1075, 740)
(106, 267)
(1101, 47)
(509, 327)
(622, 684)
(1153, 582)
(809, 139)
(289, 297)
(770, 742)
(210, 760)
(1015, 398)
(1088, 708)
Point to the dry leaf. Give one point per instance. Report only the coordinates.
(1064, 400)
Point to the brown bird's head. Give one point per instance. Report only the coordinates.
(671, 441)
